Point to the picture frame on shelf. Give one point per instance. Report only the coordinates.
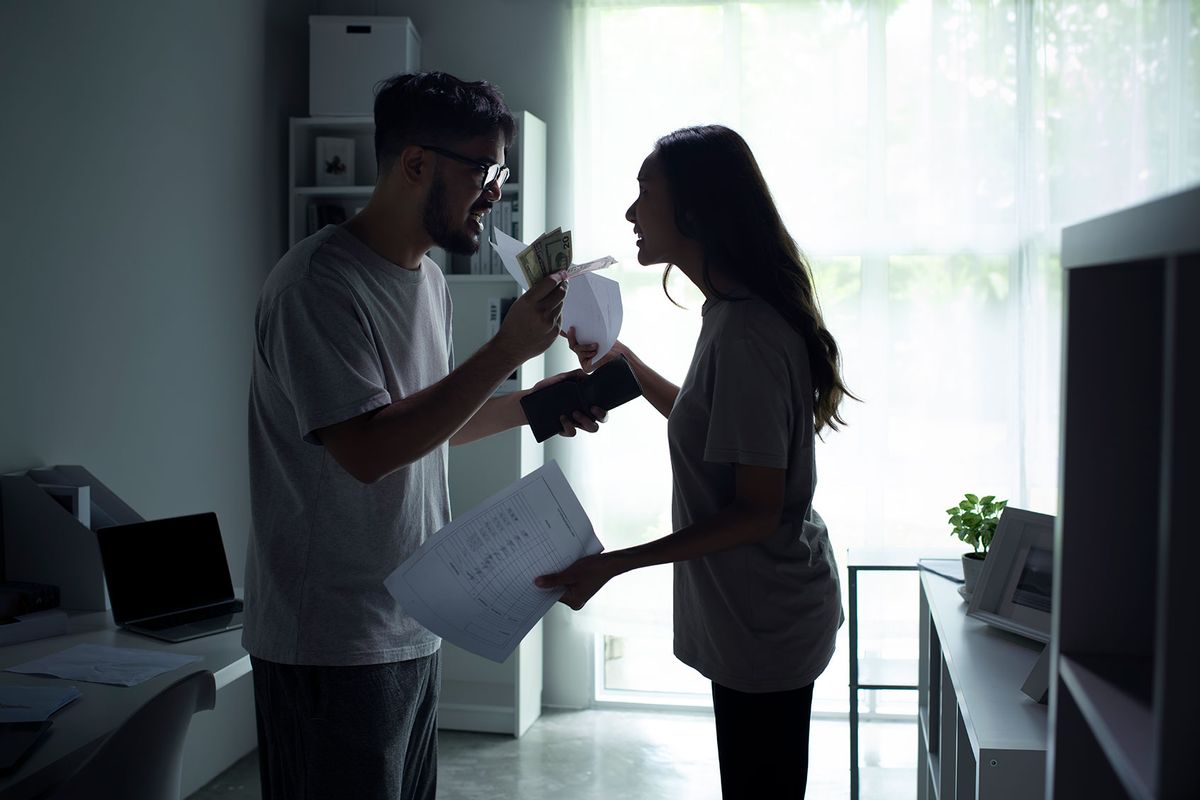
(334, 161)
(1015, 588)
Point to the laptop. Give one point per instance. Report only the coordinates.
(169, 579)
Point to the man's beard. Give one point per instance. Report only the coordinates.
(439, 226)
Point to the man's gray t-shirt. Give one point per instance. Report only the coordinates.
(339, 331)
(760, 617)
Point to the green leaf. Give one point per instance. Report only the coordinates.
(987, 501)
(965, 506)
(973, 498)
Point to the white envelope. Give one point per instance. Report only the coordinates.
(593, 307)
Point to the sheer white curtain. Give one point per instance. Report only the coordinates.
(925, 155)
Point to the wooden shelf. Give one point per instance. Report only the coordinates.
(333, 191)
(1124, 648)
(1122, 723)
(333, 122)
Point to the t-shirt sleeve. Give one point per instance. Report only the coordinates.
(317, 344)
(450, 330)
(753, 409)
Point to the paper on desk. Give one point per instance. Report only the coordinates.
(593, 308)
(472, 582)
(33, 703)
(94, 663)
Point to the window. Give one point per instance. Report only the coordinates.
(925, 155)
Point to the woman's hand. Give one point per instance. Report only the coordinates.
(587, 352)
(581, 580)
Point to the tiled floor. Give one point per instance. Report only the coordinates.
(604, 754)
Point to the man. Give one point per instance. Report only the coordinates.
(354, 396)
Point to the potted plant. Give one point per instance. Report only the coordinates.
(974, 522)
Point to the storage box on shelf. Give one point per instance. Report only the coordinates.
(348, 56)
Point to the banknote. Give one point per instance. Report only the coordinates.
(530, 266)
(535, 259)
(542, 246)
(551, 252)
(558, 252)
(590, 266)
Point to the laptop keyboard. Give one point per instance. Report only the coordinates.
(194, 615)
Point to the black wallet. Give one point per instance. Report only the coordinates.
(607, 387)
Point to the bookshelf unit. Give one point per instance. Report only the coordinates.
(979, 737)
(1123, 704)
(526, 160)
(477, 694)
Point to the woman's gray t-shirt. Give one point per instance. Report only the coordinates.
(760, 617)
(339, 332)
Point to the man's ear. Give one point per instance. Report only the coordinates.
(414, 164)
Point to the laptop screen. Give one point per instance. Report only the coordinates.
(164, 566)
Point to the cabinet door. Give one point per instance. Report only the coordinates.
(477, 694)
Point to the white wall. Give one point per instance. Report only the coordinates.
(142, 146)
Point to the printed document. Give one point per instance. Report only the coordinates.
(472, 582)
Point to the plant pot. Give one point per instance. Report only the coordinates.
(972, 566)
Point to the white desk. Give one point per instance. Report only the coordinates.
(215, 740)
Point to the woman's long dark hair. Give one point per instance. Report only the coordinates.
(722, 201)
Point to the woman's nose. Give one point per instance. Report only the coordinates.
(629, 215)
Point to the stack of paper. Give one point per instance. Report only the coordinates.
(94, 663)
(33, 703)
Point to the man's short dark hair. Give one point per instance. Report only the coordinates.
(436, 108)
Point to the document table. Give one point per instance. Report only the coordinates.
(215, 739)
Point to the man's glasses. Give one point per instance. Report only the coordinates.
(492, 172)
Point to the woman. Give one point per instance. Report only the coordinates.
(756, 600)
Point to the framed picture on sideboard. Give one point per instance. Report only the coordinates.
(1016, 585)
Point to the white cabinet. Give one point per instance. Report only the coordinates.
(477, 694)
(979, 737)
